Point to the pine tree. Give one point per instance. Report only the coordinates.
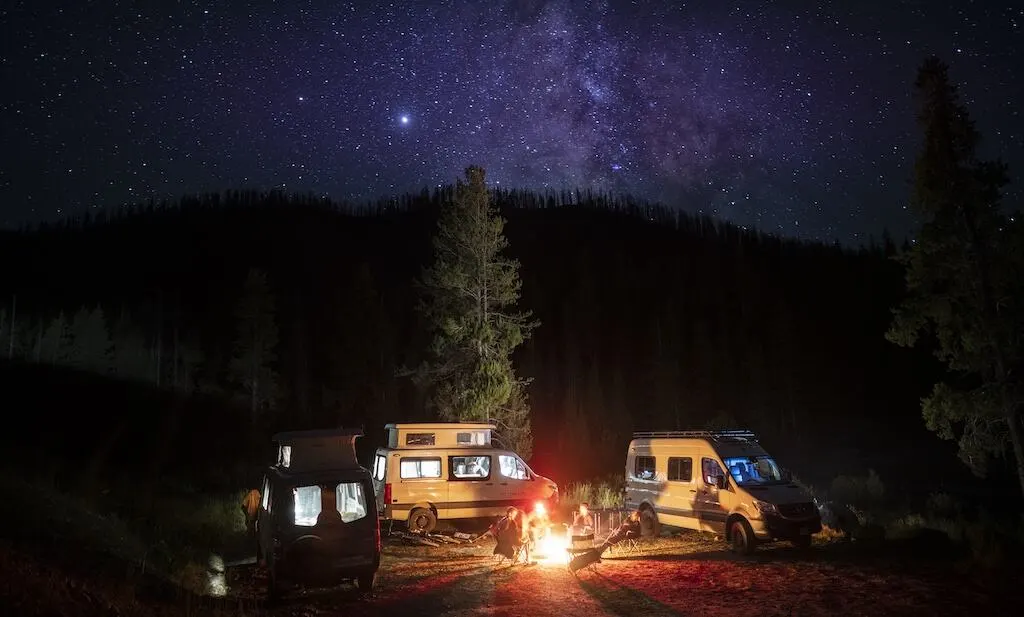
(90, 341)
(55, 343)
(964, 281)
(131, 358)
(472, 290)
(189, 358)
(255, 344)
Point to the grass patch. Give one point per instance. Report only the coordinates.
(602, 494)
(988, 541)
(167, 535)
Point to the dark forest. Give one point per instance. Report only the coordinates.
(650, 319)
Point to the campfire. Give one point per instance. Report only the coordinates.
(551, 540)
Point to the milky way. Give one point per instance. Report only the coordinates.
(796, 120)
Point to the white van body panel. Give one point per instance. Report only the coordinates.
(669, 473)
(455, 482)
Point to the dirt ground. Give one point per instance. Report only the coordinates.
(688, 574)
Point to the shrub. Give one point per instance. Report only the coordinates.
(602, 494)
(863, 491)
(942, 505)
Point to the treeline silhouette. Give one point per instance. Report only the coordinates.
(651, 319)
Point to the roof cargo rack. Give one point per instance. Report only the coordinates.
(321, 449)
(746, 435)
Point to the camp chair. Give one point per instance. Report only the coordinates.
(583, 560)
(522, 551)
(632, 543)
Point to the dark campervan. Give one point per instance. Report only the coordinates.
(318, 520)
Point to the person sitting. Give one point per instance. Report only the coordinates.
(509, 533)
(251, 510)
(582, 519)
(630, 528)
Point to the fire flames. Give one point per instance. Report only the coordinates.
(548, 547)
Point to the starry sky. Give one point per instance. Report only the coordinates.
(795, 117)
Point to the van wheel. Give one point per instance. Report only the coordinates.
(422, 520)
(741, 537)
(365, 582)
(273, 586)
(802, 541)
(649, 523)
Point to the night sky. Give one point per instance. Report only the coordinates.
(792, 116)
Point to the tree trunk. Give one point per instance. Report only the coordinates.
(39, 341)
(14, 317)
(159, 336)
(1013, 420)
(253, 397)
(174, 362)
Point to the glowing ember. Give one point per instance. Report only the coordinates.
(550, 548)
(539, 509)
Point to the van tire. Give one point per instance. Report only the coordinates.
(273, 586)
(802, 542)
(649, 521)
(741, 536)
(364, 582)
(421, 520)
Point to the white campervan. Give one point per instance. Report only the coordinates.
(449, 471)
(718, 481)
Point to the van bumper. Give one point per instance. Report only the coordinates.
(779, 528)
(328, 567)
(396, 513)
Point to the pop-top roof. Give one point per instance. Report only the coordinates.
(324, 449)
(439, 435)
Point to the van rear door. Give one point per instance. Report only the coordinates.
(380, 474)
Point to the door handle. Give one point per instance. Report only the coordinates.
(693, 490)
(489, 484)
(504, 483)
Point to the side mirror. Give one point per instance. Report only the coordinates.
(721, 482)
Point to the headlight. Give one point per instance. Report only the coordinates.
(765, 508)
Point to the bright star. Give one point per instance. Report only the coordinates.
(405, 119)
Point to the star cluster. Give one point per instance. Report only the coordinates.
(795, 117)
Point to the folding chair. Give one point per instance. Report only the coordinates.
(522, 552)
(632, 543)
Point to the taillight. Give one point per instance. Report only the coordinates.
(387, 494)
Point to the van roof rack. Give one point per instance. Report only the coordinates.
(729, 434)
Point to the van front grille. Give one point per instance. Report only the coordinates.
(797, 510)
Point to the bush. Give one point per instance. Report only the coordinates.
(986, 540)
(601, 495)
(862, 491)
(942, 505)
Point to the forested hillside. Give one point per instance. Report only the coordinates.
(649, 320)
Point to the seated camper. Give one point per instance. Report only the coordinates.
(630, 528)
(583, 519)
(509, 534)
(582, 530)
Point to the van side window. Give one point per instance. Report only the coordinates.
(379, 467)
(469, 467)
(419, 439)
(512, 468)
(709, 469)
(680, 469)
(412, 468)
(473, 438)
(643, 467)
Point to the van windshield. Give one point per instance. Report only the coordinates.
(754, 470)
